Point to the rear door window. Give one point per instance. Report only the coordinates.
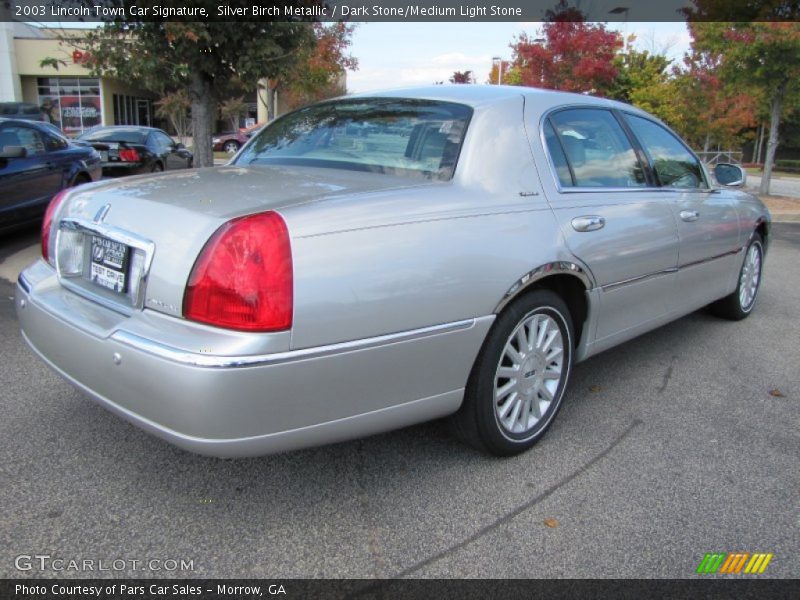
(589, 149)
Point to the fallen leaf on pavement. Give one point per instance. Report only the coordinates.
(594, 388)
(551, 523)
(777, 393)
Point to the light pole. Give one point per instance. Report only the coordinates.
(499, 60)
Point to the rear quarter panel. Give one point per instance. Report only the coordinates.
(396, 261)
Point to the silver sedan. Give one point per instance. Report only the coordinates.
(379, 260)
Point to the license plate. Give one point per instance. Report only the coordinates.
(109, 266)
(104, 155)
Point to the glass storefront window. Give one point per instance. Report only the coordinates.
(71, 103)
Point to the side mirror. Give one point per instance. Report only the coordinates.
(730, 175)
(14, 152)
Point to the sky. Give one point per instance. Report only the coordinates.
(394, 55)
(405, 54)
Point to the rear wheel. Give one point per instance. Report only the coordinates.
(740, 303)
(518, 380)
(157, 168)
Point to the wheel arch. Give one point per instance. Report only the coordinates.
(762, 228)
(569, 280)
(80, 176)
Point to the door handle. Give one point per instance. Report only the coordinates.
(690, 215)
(589, 223)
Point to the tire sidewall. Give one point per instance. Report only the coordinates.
(495, 436)
(755, 241)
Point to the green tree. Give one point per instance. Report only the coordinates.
(645, 80)
(198, 57)
(764, 56)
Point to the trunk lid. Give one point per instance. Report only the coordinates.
(177, 212)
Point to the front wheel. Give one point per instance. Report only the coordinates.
(518, 380)
(740, 303)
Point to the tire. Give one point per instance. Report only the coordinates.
(231, 147)
(157, 168)
(80, 178)
(740, 303)
(507, 385)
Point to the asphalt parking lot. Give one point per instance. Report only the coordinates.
(667, 447)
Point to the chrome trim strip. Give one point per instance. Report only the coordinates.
(718, 256)
(539, 273)
(113, 233)
(212, 361)
(137, 242)
(23, 282)
(616, 284)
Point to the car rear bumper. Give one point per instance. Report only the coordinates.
(254, 404)
(119, 169)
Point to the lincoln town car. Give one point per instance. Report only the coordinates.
(384, 259)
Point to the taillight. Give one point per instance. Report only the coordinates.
(128, 155)
(243, 277)
(47, 226)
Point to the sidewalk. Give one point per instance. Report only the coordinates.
(782, 208)
(784, 199)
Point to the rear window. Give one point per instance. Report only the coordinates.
(383, 135)
(130, 136)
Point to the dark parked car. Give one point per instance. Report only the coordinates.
(35, 163)
(231, 142)
(129, 149)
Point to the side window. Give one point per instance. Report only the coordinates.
(598, 152)
(674, 165)
(53, 143)
(27, 137)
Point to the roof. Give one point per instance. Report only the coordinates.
(485, 94)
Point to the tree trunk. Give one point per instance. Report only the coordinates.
(761, 145)
(707, 144)
(772, 143)
(272, 90)
(203, 112)
(756, 147)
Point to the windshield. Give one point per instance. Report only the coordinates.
(383, 135)
(131, 136)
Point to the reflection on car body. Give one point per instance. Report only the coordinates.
(376, 261)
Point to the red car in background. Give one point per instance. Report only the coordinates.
(231, 142)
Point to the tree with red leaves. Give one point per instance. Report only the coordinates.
(462, 77)
(572, 55)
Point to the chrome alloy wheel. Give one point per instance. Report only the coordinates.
(750, 277)
(529, 372)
